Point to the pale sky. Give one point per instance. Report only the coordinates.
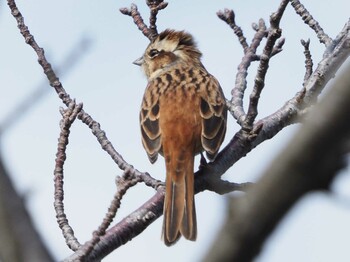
(111, 88)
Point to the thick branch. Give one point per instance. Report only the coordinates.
(19, 241)
(334, 57)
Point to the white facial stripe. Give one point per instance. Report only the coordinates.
(166, 45)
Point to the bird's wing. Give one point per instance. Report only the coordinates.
(149, 121)
(214, 116)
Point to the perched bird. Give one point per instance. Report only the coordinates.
(183, 113)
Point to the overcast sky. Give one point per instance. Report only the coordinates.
(111, 88)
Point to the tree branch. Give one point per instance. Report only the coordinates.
(308, 60)
(273, 34)
(311, 22)
(228, 16)
(69, 115)
(155, 6)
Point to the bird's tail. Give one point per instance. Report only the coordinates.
(179, 207)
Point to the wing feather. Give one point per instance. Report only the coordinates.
(149, 122)
(214, 116)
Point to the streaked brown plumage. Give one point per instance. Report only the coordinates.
(183, 112)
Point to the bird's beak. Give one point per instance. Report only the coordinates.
(138, 61)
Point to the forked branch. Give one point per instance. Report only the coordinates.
(155, 6)
(311, 22)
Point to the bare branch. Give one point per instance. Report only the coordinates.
(308, 60)
(229, 17)
(29, 39)
(155, 6)
(276, 17)
(219, 186)
(150, 181)
(135, 14)
(334, 56)
(69, 115)
(236, 104)
(273, 34)
(126, 229)
(123, 184)
(241, 144)
(278, 47)
(310, 21)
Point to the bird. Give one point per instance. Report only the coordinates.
(183, 113)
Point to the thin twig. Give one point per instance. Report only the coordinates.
(125, 182)
(311, 22)
(69, 115)
(229, 17)
(236, 104)
(274, 33)
(136, 16)
(332, 59)
(155, 6)
(29, 39)
(220, 186)
(278, 47)
(125, 230)
(308, 60)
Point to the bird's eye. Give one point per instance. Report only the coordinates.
(153, 53)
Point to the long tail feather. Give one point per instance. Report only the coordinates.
(189, 223)
(179, 207)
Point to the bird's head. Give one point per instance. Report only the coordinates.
(168, 48)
